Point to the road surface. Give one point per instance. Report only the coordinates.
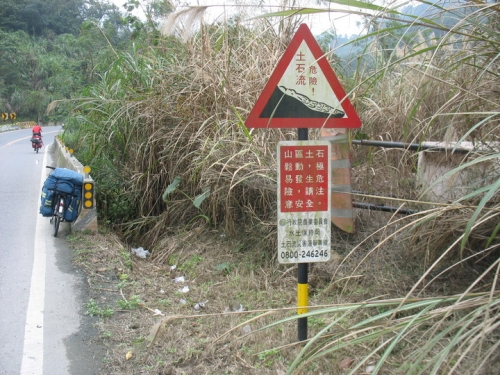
(43, 326)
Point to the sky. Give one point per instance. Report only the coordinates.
(317, 23)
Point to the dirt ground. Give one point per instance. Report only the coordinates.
(202, 302)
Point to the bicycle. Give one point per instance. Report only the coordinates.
(58, 207)
(36, 142)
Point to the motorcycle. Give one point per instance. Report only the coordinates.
(36, 142)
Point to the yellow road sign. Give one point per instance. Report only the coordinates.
(88, 194)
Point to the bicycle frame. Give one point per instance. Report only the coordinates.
(58, 207)
(58, 216)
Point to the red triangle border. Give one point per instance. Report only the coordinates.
(255, 121)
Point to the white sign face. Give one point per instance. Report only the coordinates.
(305, 81)
(304, 200)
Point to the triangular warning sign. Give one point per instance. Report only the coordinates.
(303, 91)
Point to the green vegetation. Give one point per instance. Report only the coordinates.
(52, 52)
(269, 357)
(93, 309)
(129, 304)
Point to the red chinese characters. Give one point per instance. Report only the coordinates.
(304, 178)
(305, 76)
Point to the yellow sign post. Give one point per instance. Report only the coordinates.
(88, 189)
(88, 194)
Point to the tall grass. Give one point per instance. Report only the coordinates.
(164, 134)
(424, 77)
(175, 112)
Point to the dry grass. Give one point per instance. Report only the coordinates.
(221, 270)
(189, 125)
(195, 134)
(208, 341)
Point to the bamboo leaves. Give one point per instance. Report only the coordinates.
(171, 188)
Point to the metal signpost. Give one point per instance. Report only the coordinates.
(303, 92)
(304, 228)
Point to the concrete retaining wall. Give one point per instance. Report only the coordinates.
(17, 125)
(4, 128)
(439, 185)
(87, 219)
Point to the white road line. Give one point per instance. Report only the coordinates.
(32, 362)
(29, 137)
(17, 140)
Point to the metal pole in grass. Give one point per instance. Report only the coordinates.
(302, 300)
(302, 275)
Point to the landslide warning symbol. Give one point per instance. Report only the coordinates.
(303, 91)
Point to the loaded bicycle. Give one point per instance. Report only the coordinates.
(58, 211)
(61, 196)
(36, 142)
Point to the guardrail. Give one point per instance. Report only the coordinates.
(17, 125)
(437, 160)
(4, 128)
(87, 219)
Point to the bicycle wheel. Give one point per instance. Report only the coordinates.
(57, 220)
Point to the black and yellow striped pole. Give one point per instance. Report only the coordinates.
(302, 299)
(302, 275)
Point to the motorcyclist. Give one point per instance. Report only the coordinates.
(36, 138)
(37, 130)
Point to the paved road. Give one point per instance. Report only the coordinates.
(43, 329)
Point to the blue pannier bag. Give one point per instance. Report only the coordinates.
(73, 205)
(65, 181)
(47, 199)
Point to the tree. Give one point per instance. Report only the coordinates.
(39, 17)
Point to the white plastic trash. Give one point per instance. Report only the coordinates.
(184, 290)
(179, 279)
(200, 305)
(140, 252)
